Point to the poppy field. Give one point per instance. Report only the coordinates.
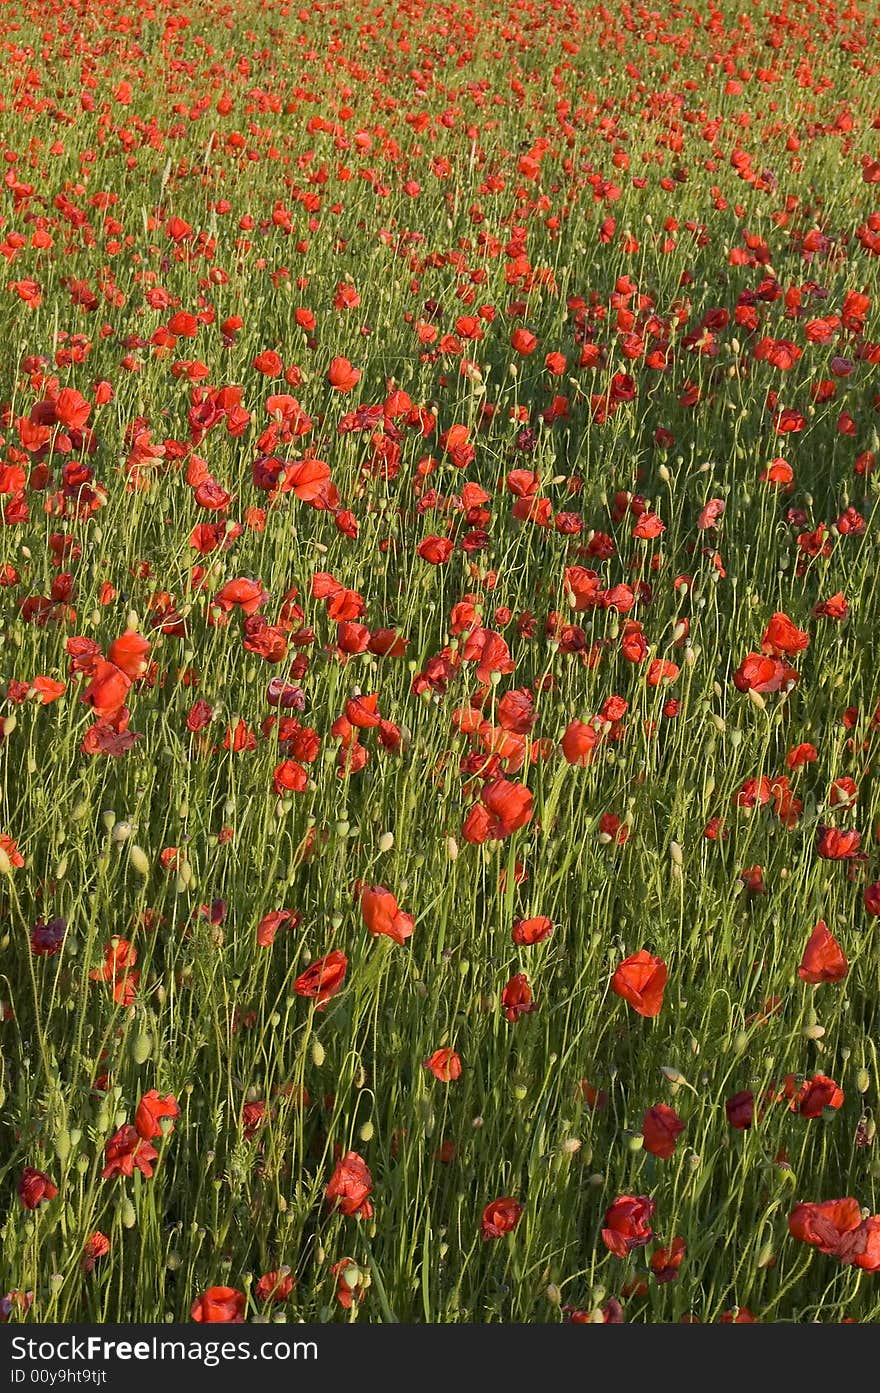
(439, 635)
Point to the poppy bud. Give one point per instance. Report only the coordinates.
(139, 860)
(863, 1080)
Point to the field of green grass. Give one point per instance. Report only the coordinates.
(439, 638)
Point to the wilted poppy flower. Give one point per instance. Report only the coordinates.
(661, 1127)
(626, 1225)
(824, 960)
(219, 1306)
(640, 980)
(323, 979)
(34, 1187)
(349, 1187)
(500, 1217)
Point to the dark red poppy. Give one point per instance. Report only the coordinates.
(740, 1110)
(661, 1128)
(34, 1187)
(500, 1217)
(626, 1225)
(665, 1262)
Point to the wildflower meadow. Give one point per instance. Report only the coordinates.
(439, 639)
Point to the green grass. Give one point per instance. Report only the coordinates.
(214, 1020)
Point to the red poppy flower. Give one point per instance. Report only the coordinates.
(383, 915)
(825, 1224)
(130, 654)
(665, 1262)
(782, 637)
(579, 742)
(126, 1150)
(517, 998)
(96, 1246)
(760, 673)
(832, 844)
(34, 1187)
(528, 931)
(640, 980)
(350, 1283)
(661, 1127)
(349, 1187)
(274, 1286)
(817, 1094)
(824, 960)
(150, 1110)
(323, 978)
(107, 690)
(219, 1306)
(626, 1225)
(504, 808)
(444, 1064)
(342, 376)
(500, 1217)
(740, 1109)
